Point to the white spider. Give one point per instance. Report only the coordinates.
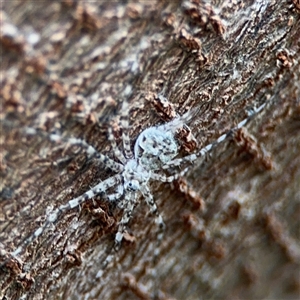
(154, 151)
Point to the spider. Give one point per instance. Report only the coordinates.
(153, 154)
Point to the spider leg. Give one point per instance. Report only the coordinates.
(165, 178)
(128, 203)
(93, 153)
(191, 158)
(158, 218)
(52, 218)
(122, 203)
(117, 195)
(117, 152)
(125, 131)
(90, 150)
(101, 187)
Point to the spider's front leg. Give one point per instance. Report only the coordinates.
(202, 152)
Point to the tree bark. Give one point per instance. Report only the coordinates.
(232, 222)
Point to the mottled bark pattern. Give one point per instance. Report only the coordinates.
(232, 222)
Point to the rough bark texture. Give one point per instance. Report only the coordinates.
(232, 223)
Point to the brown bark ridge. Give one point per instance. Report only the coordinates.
(232, 222)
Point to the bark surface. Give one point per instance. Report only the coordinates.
(232, 222)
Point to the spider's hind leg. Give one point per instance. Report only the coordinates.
(127, 204)
(102, 187)
(158, 219)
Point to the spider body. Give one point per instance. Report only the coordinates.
(154, 147)
(154, 152)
